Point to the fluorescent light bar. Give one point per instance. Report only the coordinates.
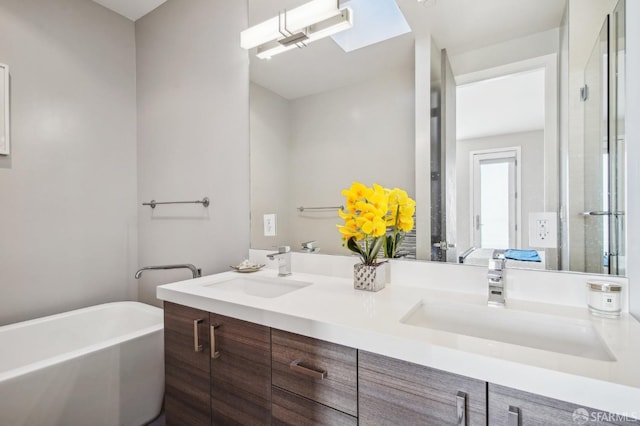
(297, 18)
(340, 22)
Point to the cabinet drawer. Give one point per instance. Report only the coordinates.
(290, 409)
(513, 407)
(321, 371)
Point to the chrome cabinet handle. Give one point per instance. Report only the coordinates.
(197, 347)
(214, 354)
(514, 416)
(316, 374)
(461, 408)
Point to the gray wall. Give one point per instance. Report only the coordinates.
(362, 132)
(68, 190)
(270, 158)
(193, 141)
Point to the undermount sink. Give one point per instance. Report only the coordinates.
(539, 331)
(260, 286)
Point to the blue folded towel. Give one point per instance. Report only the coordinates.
(523, 255)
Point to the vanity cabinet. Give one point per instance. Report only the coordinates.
(314, 382)
(394, 392)
(217, 369)
(221, 370)
(511, 407)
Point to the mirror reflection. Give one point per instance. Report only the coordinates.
(481, 121)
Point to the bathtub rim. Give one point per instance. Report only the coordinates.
(66, 356)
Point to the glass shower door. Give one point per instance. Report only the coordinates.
(604, 150)
(596, 155)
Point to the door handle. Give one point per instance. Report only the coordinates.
(197, 347)
(602, 213)
(514, 416)
(316, 374)
(212, 341)
(461, 408)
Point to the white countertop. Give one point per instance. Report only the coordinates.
(332, 310)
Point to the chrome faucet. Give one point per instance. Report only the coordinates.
(284, 260)
(196, 272)
(495, 277)
(310, 247)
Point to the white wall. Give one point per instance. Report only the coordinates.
(270, 158)
(193, 141)
(532, 151)
(632, 130)
(67, 192)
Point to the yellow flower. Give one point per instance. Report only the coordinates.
(367, 214)
(344, 215)
(357, 191)
(375, 227)
(405, 223)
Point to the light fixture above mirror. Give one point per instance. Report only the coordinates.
(297, 27)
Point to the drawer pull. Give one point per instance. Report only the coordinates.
(214, 354)
(316, 374)
(197, 347)
(461, 408)
(514, 416)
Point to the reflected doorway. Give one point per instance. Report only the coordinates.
(495, 186)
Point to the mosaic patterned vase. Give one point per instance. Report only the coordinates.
(369, 277)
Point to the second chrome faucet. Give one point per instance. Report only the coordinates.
(284, 260)
(496, 280)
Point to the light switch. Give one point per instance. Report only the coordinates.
(270, 225)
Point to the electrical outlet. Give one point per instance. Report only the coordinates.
(543, 230)
(269, 225)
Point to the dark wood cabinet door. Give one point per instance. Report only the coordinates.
(293, 410)
(511, 407)
(240, 372)
(394, 392)
(186, 363)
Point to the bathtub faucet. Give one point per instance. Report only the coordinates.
(195, 271)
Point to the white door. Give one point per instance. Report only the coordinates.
(496, 210)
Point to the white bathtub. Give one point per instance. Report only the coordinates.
(101, 365)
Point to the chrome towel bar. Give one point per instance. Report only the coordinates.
(154, 203)
(301, 209)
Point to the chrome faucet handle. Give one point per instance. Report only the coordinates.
(283, 249)
(310, 246)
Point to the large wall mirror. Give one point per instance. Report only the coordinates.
(502, 119)
(4, 110)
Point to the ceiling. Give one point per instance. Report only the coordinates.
(509, 104)
(132, 9)
(457, 25)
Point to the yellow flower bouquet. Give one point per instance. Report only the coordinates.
(375, 218)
